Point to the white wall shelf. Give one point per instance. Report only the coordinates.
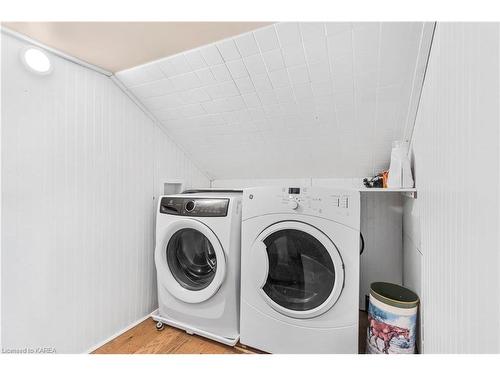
(411, 193)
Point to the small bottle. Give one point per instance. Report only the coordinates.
(400, 175)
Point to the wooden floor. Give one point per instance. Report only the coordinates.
(145, 339)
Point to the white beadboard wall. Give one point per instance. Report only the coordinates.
(412, 257)
(456, 158)
(80, 166)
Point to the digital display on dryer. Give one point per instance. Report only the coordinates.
(293, 190)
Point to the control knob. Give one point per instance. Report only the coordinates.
(293, 204)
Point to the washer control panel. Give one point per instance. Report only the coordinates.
(199, 207)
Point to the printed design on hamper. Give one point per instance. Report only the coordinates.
(389, 328)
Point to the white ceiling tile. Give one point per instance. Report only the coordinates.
(272, 111)
(342, 65)
(320, 72)
(237, 68)
(306, 104)
(228, 50)
(322, 88)
(155, 88)
(333, 28)
(366, 49)
(255, 64)
(222, 90)
(206, 77)
(344, 100)
(235, 103)
(257, 114)
(167, 67)
(266, 38)
(273, 60)
(195, 96)
(168, 114)
(261, 82)
(340, 44)
(290, 108)
(251, 100)
(211, 55)
(316, 50)
(212, 106)
(363, 25)
(180, 64)
(268, 98)
(294, 55)
(303, 91)
(192, 110)
(298, 74)
(224, 106)
(186, 81)
(244, 85)
(279, 78)
(285, 95)
(246, 44)
(164, 101)
(195, 59)
(312, 30)
(140, 75)
(238, 116)
(342, 82)
(288, 33)
(221, 73)
(211, 120)
(365, 81)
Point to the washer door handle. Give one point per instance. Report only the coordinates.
(261, 264)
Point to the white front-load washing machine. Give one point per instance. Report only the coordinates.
(197, 258)
(300, 270)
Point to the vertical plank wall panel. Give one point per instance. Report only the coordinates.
(456, 160)
(79, 162)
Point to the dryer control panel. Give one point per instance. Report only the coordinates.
(192, 206)
(342, 205)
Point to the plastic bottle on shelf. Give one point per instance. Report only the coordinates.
(400, 175)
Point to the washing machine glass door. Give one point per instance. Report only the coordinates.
(300, 269)
(190, 261)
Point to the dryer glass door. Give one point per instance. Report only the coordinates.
(191, 259)
(301, 272)
(305, 272)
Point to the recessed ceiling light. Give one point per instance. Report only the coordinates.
(36, 60)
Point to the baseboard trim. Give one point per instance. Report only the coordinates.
(120, 332)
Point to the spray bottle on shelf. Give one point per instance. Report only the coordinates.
(400, 175)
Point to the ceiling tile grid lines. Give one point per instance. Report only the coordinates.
(319, 99)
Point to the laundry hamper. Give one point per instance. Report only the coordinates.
(392, 319)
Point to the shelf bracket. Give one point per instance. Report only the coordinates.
(410, 194)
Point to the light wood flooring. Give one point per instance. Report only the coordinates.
(145, 339)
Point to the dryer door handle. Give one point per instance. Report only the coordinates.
(261, 264)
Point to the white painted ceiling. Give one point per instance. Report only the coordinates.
(290, 99)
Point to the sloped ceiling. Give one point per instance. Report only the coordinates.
(116, 46)
(290, 99)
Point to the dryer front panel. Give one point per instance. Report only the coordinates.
(299, 271)
(190, 261)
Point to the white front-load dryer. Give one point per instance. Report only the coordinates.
(300, 270)
(197, 258)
